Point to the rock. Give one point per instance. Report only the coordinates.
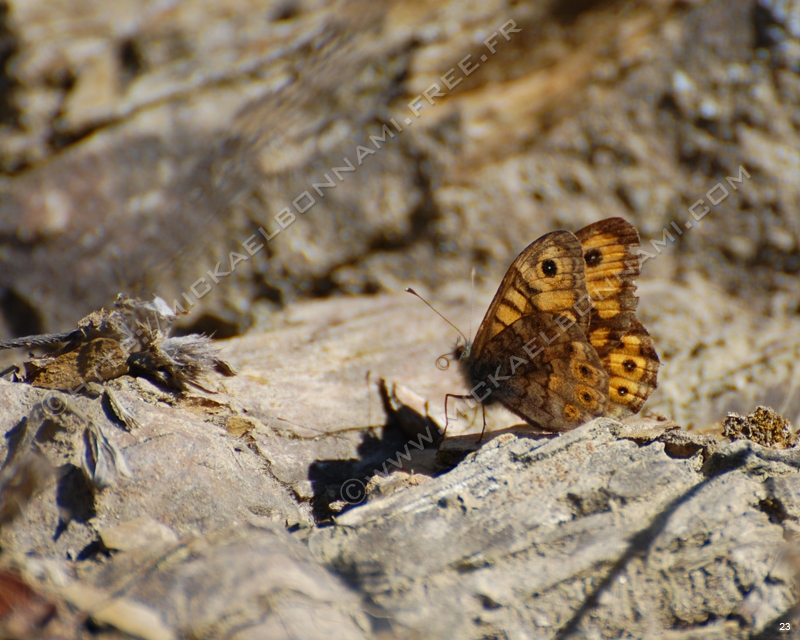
(246, 581)
(226, 484)
(578, 535)
(136, 533)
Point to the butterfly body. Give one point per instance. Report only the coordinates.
(538, 350)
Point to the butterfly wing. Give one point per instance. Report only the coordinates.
(625, 347)
(543, 370)
(611, 268)
(633, 371)
(547, 277)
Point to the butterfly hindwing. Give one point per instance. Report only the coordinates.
(633, 371)
(547, 373)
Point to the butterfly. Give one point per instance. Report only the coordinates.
(560, 343)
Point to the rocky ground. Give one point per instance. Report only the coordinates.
(152, 148)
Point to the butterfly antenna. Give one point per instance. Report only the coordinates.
(414, 293)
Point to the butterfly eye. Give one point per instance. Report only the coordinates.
(443, 363)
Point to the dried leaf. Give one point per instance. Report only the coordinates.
(123, 413)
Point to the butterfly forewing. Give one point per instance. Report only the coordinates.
(611, 268)
(623, 344)
(548, 276)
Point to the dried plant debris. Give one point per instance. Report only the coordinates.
(95, 361)
(763, 426)
(131, 338)
(118, 409)
(178, 362)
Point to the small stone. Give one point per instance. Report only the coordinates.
(137, 533)
(239, 426)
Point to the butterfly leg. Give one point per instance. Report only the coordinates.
(483, 409)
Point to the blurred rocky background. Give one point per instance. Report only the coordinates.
(151, 148)
(142, 143)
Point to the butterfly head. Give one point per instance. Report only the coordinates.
(462, 350)
(460, 354)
